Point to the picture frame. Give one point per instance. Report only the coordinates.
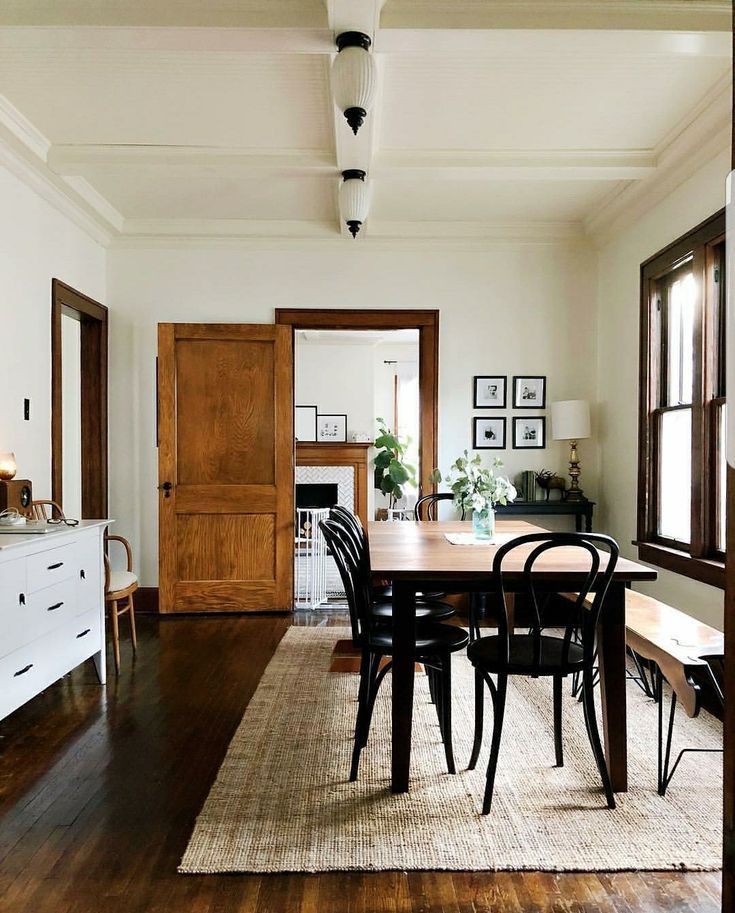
(488, 433)
(529, 391)
(489, 391)
(529, 433)
(331, 428)
(304, 423)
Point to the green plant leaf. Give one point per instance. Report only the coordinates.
(435, 477)
(398, 472)
(388, 441)
(387, 485)
(382, 459)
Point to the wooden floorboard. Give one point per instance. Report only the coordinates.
(99, 790)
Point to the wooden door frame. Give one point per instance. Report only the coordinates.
(427, 323)
(92, 317)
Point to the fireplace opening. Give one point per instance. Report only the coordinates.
(316, 494)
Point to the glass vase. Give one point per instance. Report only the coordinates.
(483, 523)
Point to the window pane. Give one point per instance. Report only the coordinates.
(722, 481)
(675, 475)
(680, 342)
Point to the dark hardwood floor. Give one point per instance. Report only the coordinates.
(99, 789)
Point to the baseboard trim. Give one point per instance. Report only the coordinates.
(146, 600)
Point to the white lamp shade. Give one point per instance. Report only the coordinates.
(353, 79)
(570, 420)
(354, 199)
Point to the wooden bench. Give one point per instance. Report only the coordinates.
(677, 647)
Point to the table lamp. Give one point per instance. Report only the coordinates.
(570, 421)
(7, 466)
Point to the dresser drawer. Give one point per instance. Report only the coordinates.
(12, 585)
(52, 565)
(35, 614)
(27, 671)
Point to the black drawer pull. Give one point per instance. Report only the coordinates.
(53, 608)
(82, 574)
(84, 633)
(22, 598)
(23, 670)
(52, 567)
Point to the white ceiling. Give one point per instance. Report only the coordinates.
(179, 121)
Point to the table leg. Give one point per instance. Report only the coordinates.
(588, 519)
(403, 674)
(611, 653)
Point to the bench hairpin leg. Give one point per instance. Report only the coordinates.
(666, 771)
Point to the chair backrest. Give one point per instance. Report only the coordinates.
(596, 557)
(353, 567)
(427, 507)
(47, 510)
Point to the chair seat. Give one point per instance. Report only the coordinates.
(487, 653)
(386, 592)
(121, 580)
(430, 638)
(425, 611)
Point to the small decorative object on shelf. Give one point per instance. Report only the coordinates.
(548, 481)
(392, 473)
(527, 485)
(476, 488)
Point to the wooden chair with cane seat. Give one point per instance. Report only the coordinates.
(119, 589)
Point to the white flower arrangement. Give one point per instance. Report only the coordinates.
(475, 487)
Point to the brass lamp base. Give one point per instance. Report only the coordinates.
(575, 493)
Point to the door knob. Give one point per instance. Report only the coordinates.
(166, 489)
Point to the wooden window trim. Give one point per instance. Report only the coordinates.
(698, 560)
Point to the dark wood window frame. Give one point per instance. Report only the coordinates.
(427, 323)
(700, 558)
(92, 317)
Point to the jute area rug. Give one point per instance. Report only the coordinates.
(282, 801)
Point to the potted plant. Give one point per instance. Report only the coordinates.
(478, 489)
(392, 474)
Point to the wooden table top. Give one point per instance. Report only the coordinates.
(420, 551)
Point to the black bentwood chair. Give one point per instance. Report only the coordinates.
(535, 654)
(434, 645)
(428, 608)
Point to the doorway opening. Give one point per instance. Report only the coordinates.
(78, 402)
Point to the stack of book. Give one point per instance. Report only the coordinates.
(526, 485)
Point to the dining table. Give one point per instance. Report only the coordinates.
(418, 557)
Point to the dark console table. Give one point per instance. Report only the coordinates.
(579, 509)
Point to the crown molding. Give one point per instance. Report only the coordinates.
(23, 151)
(698, 138)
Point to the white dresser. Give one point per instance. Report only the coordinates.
(52, 608)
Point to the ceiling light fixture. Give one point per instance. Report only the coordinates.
(354, 199)
(353, 77)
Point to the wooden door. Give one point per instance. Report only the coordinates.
(225, 467)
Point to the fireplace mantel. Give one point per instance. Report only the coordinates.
(312, 453)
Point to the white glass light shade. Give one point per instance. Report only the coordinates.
(353, 84)
(8, 467)
(570, 420)
(354, 202)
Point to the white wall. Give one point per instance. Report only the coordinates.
(508, 309)
(619, 304)
(37, 243)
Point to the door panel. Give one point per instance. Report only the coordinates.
(226, 447)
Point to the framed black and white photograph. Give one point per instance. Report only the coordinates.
(489, 392)
(488, 434)
(331, 428)
(304, 423)
(529, 433)
(529, 392)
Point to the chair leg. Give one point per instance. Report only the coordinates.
(499, 713)
(590, 718)
(558, 683)
(374, 679)
(115, 636)
(362, 698)
(446, 674)
(479, 719)
(432, 683)
(133, 635)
